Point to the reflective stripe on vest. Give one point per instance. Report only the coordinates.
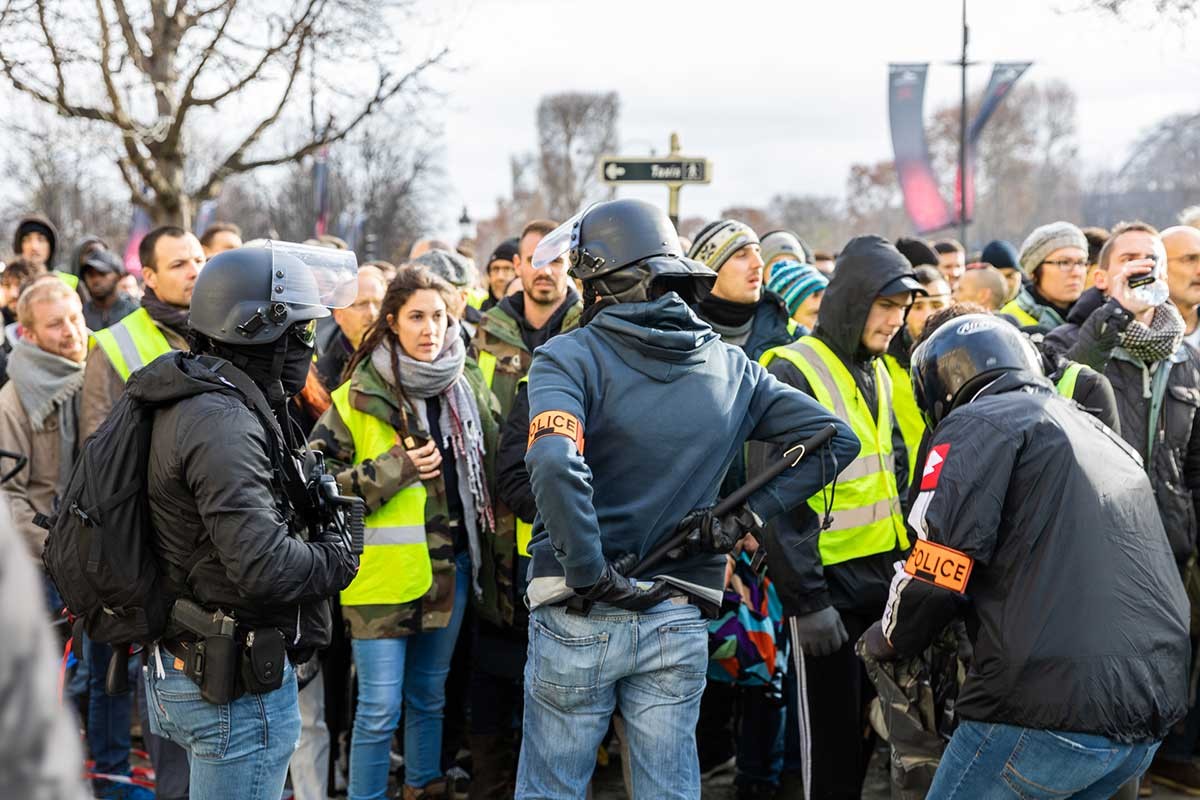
(1066, 384)
(132, 343)
(487, 365)
(394, 567)
(908, 415)
(866, 505)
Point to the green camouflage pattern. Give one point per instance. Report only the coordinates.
(499, 334)
(379, 479)
(914, 711)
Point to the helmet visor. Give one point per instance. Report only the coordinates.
(556, 243)
(305, 275)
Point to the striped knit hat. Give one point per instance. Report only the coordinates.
(717, 241)
(794, 282)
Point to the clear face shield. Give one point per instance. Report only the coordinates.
(555, 245)
(305, 275)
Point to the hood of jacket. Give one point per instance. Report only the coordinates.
(663, 339)
(73, 266)
(39, 221)
(865, 266)
(172, 377)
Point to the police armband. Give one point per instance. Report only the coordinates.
(556, 423)
(940, 565)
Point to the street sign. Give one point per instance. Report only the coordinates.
(671, 169)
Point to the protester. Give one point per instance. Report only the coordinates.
(983, 284)
(1004, 257)
(601, 640)
(501, 268)
(353, 322)
(35, 240)
(952, 260)
(738, 308)
(16, 274)
(801, 288)
(545, 307)
(106, 304)
(1054, 259)
(459, 273)
(908, 417)
(39, 418)
(409, 434)
(777, 246)
(1156, 378)
(832, 576)
(1076, 674)
(1182, 244)
(87, 245)
(423, 246)
(39, 738)
(918, 253)
(1190, 216)
(219, 237)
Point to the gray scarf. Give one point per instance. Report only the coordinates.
(47, 383)
(458, 422)
(1158, 341)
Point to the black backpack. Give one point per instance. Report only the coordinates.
(98, 551)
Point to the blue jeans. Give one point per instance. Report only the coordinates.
(986, 761)
(108, 717)
(651, 665)
(239, 749)
(383, 666)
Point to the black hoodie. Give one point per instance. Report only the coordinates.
(866, 266)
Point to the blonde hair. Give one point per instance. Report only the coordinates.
(47, 287)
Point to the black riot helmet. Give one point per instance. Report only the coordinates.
(961, 357)
(252, 295)
(625, 251)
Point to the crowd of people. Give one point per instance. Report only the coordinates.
(418, 393)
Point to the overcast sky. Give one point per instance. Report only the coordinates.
(782, 96)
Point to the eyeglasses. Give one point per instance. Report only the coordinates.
(305, 332)
(1068, 264)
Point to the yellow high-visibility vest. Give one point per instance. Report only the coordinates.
(477, 297)
(908, 415)
(1066, 384)
(524, 529)
(394, 567)
(70, 280)
(866, 504)
(1022, 316)
(132, 343)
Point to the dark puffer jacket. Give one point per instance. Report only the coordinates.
(211, 489)
(1161, 421)
(1077, 615)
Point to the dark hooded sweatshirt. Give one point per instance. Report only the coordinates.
(803, 583)
(662, 406)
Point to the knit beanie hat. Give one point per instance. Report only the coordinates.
(505, 251)
(777, 243)
(1045, 240)
(1001, 255)
(450, 267)
(917, 252)
(794, 282)
(717, 241)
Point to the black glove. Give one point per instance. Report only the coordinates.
(345, 560)
(707, 533)
(874, 644)
(617, 590)
(820, 633)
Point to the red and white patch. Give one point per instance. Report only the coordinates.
(933, 466)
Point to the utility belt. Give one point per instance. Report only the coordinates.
(226, 661)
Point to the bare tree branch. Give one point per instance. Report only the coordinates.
(131, 43)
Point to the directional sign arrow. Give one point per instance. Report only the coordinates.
(613, 171)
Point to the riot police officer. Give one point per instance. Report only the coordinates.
(634, 421)
(1038, 525)
(226, 499)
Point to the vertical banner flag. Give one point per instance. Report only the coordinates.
(321, 190)
(906, 99)
(138, 228)
(1004, 75)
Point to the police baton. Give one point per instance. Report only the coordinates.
(791, 457)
